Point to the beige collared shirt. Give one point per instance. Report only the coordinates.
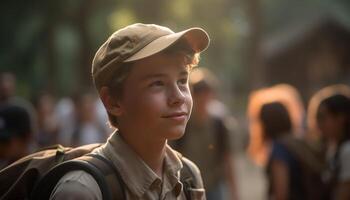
(140, 181)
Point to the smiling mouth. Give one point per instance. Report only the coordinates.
(176, 115)
(178, 118)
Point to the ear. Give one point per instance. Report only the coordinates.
(111, 104)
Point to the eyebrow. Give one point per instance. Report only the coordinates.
(159, 75)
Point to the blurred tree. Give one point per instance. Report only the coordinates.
(50, 44)
(253, 54)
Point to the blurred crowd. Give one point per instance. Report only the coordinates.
(306, 156)
(305, 151)
(30, 125)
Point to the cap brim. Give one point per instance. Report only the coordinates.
(196, 37)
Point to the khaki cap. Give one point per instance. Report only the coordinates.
(138, 41)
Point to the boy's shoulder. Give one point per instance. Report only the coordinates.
(79, 184)
(73, 183)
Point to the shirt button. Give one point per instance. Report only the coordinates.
(178, 189)
(156, 183)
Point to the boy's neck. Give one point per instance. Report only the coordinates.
(151, 152)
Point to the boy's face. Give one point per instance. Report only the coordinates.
(156, 101)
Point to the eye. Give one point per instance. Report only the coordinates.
(156, 83)
(183, 81)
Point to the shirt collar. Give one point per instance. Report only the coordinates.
(136, 174)
(171, 174)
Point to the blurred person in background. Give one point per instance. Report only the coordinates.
(293, 170)
(87, 127)
(8, 96)
(290, 97)
(64, 112)
(69, 113)
(47, 133)
(8, 92)
(329, 122)
(15, 133)
(7, 87)
(207, 139)
(283, 169)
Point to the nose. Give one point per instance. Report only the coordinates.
(176, 96)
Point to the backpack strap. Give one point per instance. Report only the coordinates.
(188, 177)
(106, 176)
(112, 176)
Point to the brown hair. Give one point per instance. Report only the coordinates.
(275, 120)
(314, 104)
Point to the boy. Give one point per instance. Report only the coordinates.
(141, 73)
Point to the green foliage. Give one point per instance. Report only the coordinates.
(121, 18)
(50, 44)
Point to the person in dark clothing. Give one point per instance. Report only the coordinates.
(283, 168)
(329, 120)
(275, 115)
(15, 131)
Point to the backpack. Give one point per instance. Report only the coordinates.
(36, 175)
(312, 166)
